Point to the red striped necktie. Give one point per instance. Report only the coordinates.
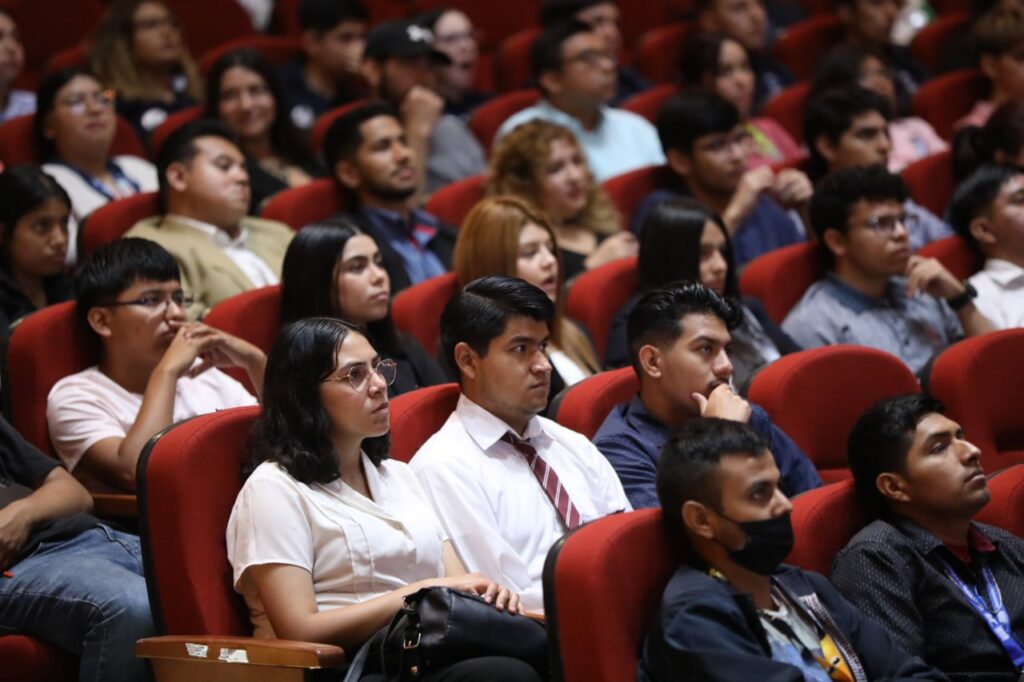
(548, 480)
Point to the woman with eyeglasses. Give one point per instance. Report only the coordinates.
(328, 535)
(455, 36)
(72, 132)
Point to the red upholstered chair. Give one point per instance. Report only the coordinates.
(930, 181)
(787, 109)
(279, 50)
(416, 310)
(824, 520)
(596, 295)
(660, 49)
(210, 23)
(627, 190)
(817, 395)
(959, 257)
(16, 141)
(802, 45)
(324, 121)
(945, 99)
(779, 278)
(300, 206)
(648, 103)
(978, 379)
(111, 221)
(188, 479)
(584, 406)
(602, 586)
(1006, 509)
(512, 60)
(254, 316)
(417, 415)
(48, 26)
(28, 658)
(69, 57)
(452, 202)
(488, 117)
(170, 124)
(929, 44)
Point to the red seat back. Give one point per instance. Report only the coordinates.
(28, 658)
(452, 202)
(817, 395)
(978, 379)
(659, 51)
(787, 109)
(602, 586)
(512, 60)
(489, 116)
(824, 520)
(1006, 509)
(930, 43)
(627, 190)
(49, 26)
(597, 295)
(279, 50)
(300, 206)
(779, 278)
(111, 221)
(648, 103)
(254, 316)
(324, 121)
(945, 99)
(803, 44)
(16, 145)
(586, 405)
(210, 23)
(170, 124)
(69, 57)
(416, 310)
(931, 181)
(417, 415)
(959, 257)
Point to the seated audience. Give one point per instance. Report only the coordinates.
(715, 62)
(398, 64)
(328, 536)
(1000, 140)
(986, 212)
(34, 215)
(877, 293)
(732, 610)
(154, 369)
(243, 91)
(334, 269)
(73, 131)
(456, 37)
(683, 240)
(13, 102)
(706, 144)
(370, 157)
(504, 236)
(847, 127)
(495, 333)
(576, 75)
(940, 583)
(998, 44)
(204, 195)
(911, 138)
(604, 17)
(327, 75)
(67, 578)
(678, 341)
(869, 23)
(138, 50)
(542, 163)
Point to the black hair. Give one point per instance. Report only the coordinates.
(345, 135)
(975, 196)
(46, 100)
(841, 68)
(114, 267)
(430, 18)
(657, 318)
(880, 440)
(480, 312)
(546, 52)
(24, 189)
(691, 115)
(322, 16)
(831, 113)
(284, 138)
(670, 244)
(1002, 135)
(180, 147)
(293, 428)
(309, 275)
(689, 460)
(555, 11)
(700, 58)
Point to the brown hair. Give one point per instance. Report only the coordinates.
(522, 155)
(488, 244)
(998, 31)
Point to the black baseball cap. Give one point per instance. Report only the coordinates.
(397, 38)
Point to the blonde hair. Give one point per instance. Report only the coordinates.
(112, 58)
(521, 157)
(488, 244)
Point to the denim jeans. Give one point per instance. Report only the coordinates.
(86, 595)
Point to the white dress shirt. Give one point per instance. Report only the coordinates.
(1000, 286)
(251, 265)
(500, 520)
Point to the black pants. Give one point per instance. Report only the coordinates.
(486, 669)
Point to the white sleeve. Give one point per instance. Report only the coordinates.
(77, 420)
(608, 493)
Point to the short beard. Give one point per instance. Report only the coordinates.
(388, 194)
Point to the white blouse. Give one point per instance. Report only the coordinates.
(354, 548)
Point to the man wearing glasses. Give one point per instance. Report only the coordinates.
(877, 293)
(154, 369)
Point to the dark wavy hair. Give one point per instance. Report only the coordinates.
(293, 428)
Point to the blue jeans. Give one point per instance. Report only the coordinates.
(86, 595)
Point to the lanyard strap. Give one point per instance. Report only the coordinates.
(994, 613)
(115, 171)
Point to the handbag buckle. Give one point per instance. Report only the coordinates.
(407, 642)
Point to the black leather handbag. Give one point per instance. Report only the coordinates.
(438, 626)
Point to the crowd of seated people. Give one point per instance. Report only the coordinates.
(390, 115)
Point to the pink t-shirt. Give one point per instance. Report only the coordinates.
(912, 139)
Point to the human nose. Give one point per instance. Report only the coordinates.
(969, 452)
(781, 503)
(723, 366)
(718, 264)
(173, 310)
(541, 364)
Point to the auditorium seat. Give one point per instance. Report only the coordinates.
(454, 201)
(629, 189)
(959, 257)
(170, 124)
(930, 181)
(418, 415)
(68, 58)
(300, 206)
(660, 49)
(824, 520)
(944, 100)
(210, 23)
(254, 316)
(488, 117)
(512, 60)
(648, 103)
(279, 50)
(779, 278)
(47, 27)
(802, 45)
(583, 407)
(1006, 508)
(930, 43)
(112, 220)
(787, 109)
(324, 121)
(16, 145)
(416, 310)
(28, 658)
(597, 295)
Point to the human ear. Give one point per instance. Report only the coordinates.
(987, 64)
(465, 360)
(678, 162)
(650, 361)
(825, 147)
(99, 319)
(835, 241)
(371, 70)
(981, 229)
(347, 174)
(892, 487)
(696, 520)
(551, 82)
(177, 176)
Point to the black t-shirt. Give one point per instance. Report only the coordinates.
(24, 465)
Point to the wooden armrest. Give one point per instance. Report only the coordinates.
(115, 505)
(537, 615)
(274, 652)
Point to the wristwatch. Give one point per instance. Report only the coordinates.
(960, 300)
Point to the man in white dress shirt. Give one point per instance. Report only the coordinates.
(505, 482)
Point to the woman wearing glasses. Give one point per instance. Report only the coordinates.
(72, 132)
(455, 36)
(328, 535)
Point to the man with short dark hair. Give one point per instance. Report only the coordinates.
(678, 338)
(732, 611)
(204, 198)
(370, 157)
(576, 74)
(505, 482)
(870, 23)
(950, 590)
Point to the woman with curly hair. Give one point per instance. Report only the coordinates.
(543, 163)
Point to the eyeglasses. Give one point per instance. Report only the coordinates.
(157, 300)
(592, 58)
(78, 102)
(359, 375)
(886, 224)
(719, 144)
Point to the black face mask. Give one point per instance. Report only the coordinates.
(768, 543)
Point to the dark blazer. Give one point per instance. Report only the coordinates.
(416, 368)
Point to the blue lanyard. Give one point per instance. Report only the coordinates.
(994, 613)
(115, 171)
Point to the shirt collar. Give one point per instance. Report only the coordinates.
(858, 302)
(640, 418)
(1004, 273)
(219, 237)
(556, 115)
(486, 429)
(927, 543)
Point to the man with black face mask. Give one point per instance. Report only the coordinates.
(732, 611)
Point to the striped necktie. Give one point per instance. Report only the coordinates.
(548, 480)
